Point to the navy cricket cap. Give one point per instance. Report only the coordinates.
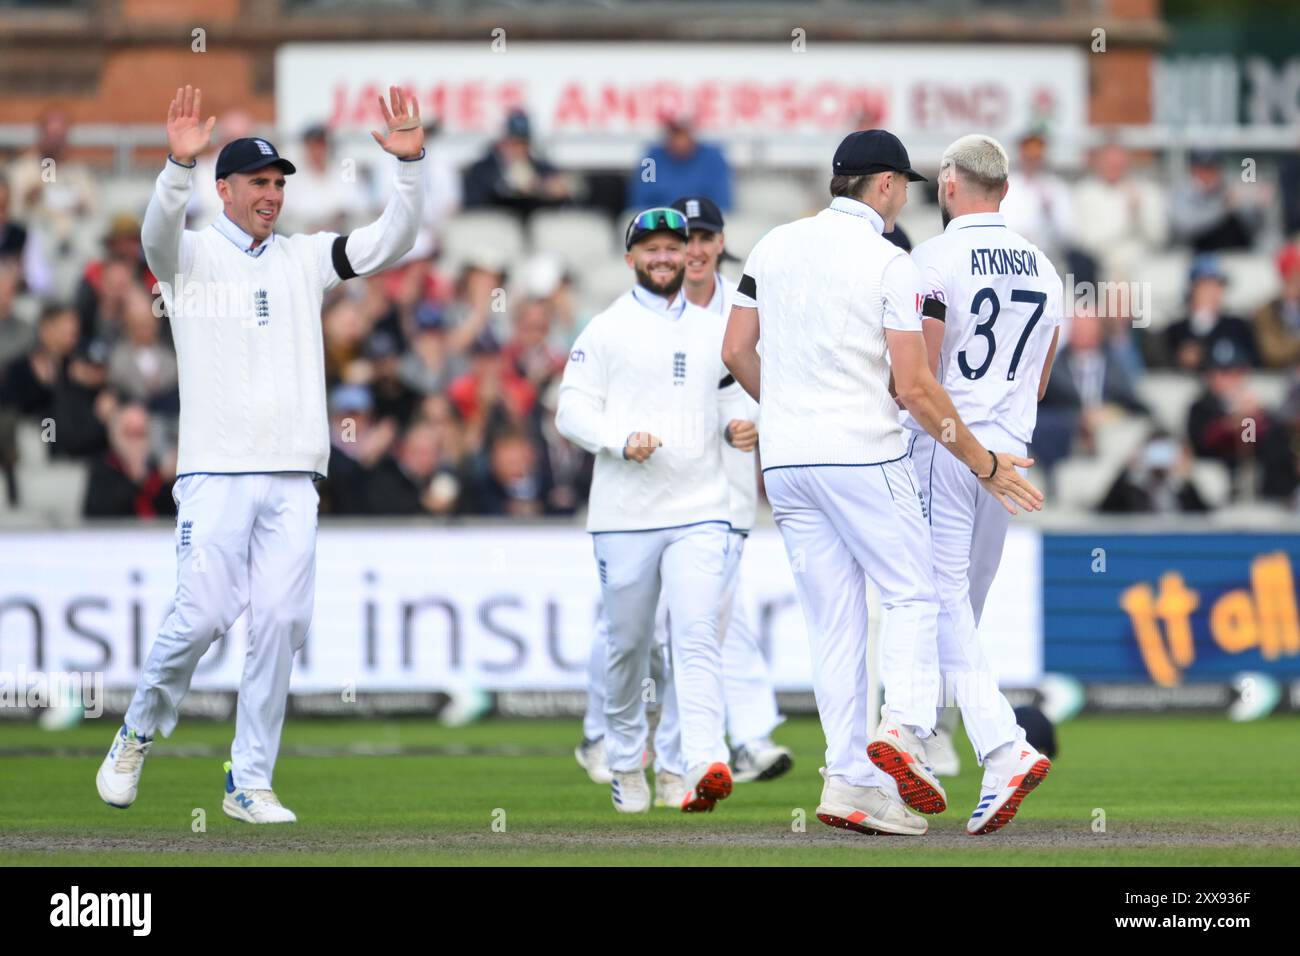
(701, 213)
(873, 151)
(249, 155)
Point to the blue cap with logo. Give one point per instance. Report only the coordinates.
(248, 155)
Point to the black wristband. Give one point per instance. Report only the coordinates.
(991, 473)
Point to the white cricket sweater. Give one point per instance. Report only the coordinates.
(249, 345)
(826, 288)
(641, 367)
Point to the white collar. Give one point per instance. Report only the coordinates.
(657, 303)
(977, 220)
(855, 207)
(226, 226)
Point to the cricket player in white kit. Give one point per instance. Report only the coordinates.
(991, 317)
(646, 392)
(751, 706)
(245, 310)
(836, 306)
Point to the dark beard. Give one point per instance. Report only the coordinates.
(945, 215)
(667, 290)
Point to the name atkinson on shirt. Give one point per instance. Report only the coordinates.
(1016, 262)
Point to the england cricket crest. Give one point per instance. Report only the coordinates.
(679, 368)
(261, 307)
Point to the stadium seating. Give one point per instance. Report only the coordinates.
(577, 237)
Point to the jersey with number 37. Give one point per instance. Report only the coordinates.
(1000, 299)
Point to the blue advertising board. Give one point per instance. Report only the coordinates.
(1170, 609)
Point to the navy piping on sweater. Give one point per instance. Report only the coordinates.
(671, 527)
(837, 464)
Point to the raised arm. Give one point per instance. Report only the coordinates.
(377, 246)
(163, 231)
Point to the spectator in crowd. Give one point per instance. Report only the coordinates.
(357, 443)
(13, 235)
(566, 468)
(417, 479)
(680, 165)
(16, 335)
(139, 366)
(430, 364)
(394, 399)
(1089, 386)
(477, 301)
(543, 277)
(491, 394)
(333, 190)
(529, 352)
(29, 381)
(1156, 480)
(1038, 204)
(1229, 423)
(108, 282)
(345, 332)
(1277, 325)
(510, 483)
(1188, 341)
(512, 176)
(128, 480)
(1119, 218)
(54, 196)
(1206, 214)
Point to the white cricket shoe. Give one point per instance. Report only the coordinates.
(119, 775)
(866, 809)
(1010, 773)
(630, 791)
(759, 760)
(670, 789)
(899, 752)
(253, 806)
(590, 755)
(941, 753)
(706, 784)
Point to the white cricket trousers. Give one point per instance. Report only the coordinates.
(968, 527)
(688, 564)
(841, 525)
(242, 542)
(747, 682)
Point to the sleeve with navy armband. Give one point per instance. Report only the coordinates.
(927, 257)
(746, 294)
(379, 245)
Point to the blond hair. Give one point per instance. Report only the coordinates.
(980, 160)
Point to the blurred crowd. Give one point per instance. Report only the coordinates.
(442, 373)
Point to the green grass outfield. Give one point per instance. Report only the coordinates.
(1172, 790)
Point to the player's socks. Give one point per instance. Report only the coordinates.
(590, 755)
(899, 752)
(670, 789)
(629, 791)
(118, 778)
(868, 810)
(759, 760)
(253, 806)
(706, 785)
(1010, 773)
